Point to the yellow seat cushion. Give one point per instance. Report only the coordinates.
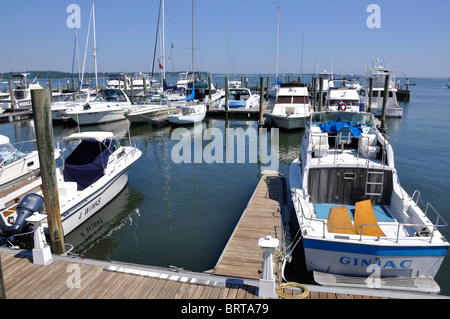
(365, 221)
(339, 221)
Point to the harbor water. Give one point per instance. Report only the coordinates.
(182, 214)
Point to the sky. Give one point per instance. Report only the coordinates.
(233, 36)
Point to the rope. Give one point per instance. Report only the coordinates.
(280, 290)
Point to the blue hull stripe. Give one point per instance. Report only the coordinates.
(375, 250)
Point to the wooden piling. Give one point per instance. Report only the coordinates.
(369, 107)
(40, 101)
(385, 99)
(132, 90)
(144, 82)
(267, 88)
(11, 96)
(261, 102)
(51, 90)
(320, 93)
(209, 91)
(227, 98)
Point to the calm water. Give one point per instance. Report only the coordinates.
(183, 214)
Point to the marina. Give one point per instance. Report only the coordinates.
(212, 184)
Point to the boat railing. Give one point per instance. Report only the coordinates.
(423, 233)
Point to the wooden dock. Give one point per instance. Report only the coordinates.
(236, 275)
(242, 256)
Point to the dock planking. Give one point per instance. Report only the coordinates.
(242, 256)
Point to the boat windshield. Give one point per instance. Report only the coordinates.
(9, 154)
(363, 119)
(110, 95)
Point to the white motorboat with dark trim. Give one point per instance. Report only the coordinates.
(379, 73)
(342, 96)
(110, 105)
(354, 216)
(23, 85)
(292, 109)
(90, 177)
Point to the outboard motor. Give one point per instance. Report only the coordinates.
(30, 204)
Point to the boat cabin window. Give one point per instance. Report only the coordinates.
(239, 95)
(110, 95)
(293, 100)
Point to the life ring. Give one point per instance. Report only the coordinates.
(343, 106)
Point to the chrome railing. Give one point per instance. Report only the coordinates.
(440, 222)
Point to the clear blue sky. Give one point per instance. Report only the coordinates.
(413, 39)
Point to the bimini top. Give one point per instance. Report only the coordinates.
(98, 136)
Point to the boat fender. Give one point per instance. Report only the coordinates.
(343, 106)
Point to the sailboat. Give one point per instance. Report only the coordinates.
(190, 110)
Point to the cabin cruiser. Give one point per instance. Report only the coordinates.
(110, 105)
(379, 73)
(24, 83)
(341, 96)
(71, 99)
(151, 109)
(292, 108)
(354, 216)
(91, 176)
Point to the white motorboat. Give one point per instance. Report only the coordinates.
(124, 82)
(149, 111)
(355, 218)
(240, 97)
(24, 83)
(110, 105)
(379, 73)
(342, 96)
(15, 164)
(91, 176)
(292, 108)
(68, 101)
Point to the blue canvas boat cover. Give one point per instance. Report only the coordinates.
(168, 87)
(191, 97)
(335, 127)
(87, 162)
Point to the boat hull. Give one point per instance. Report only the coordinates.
(156, 115)
(98, 117)
(84, 210)
(186, 119)
(289, 122)
(380, 260)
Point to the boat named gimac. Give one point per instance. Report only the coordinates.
(354, 216)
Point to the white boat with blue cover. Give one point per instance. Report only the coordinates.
(241, 98)
(90, 177)
(355, 218)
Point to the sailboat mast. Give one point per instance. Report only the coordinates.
(193, 41)
(163, 43)
(95, 48)
(85, 50)
(278, 35)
